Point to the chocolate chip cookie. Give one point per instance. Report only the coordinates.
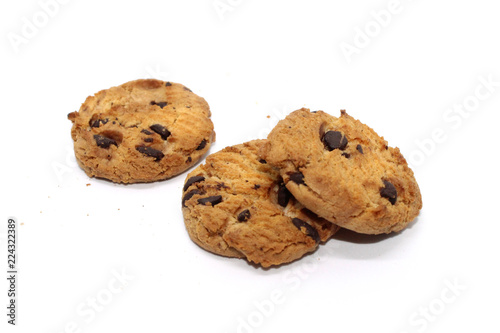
(236, 205)
(343, 171)
(141, 131)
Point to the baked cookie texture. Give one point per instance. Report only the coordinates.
(343, 171)
(236, 205)
(141, 131)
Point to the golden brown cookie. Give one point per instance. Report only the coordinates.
(141, 131)
(236, 205)
(343, 171)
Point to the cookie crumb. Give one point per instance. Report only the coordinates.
(88, 184)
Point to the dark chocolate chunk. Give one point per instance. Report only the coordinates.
(104, 142)
(168, 84)
(359, 148)
(192, 180)
(189, 159)
(148, 140)
(262, 161)
(283, 195)
(160, 104)
(297, 177)
(256, 186)
(202, 144)
(212, 200)
(244, 216)
(162, 130)
(334, 140)
(346, 155)
(309, 230)
(97, 122)
(389, 192)
(189, 195)
(145, 131)
(148, 151)
(221, 185)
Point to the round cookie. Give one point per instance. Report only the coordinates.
(141, 131)
(343, 171)
(236, 205)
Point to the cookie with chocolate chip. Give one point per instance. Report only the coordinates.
(236, 205)
(141, 131)
(343, 171)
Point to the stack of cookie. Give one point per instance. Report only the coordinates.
(269, 201)
(272, 201)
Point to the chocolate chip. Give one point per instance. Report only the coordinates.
(283, 195)
(314, 111)
(187, 89)
(389, 192)
(162, 130)
(309, 230)
(244, 216)
(262, 161)
(221, 185)
(97, 122)
(148, 140)
(145, 131)
(212, 200)
(202, 144)
(192, 180)
(359, 148)
(160, 104)
(168, 84)
(148, 151)
(189, 195)
(256, 186)
(104, 142)
(334, 140)
(189, 159)
(297, 177)
(346, 155)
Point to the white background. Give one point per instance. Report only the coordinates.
(251, 60)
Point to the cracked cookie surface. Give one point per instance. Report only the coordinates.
(343, 171)
(236, 205)
(141, 131)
